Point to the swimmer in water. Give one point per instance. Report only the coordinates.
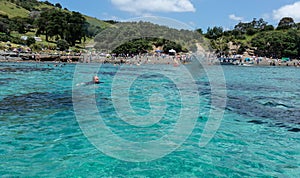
(95, 80)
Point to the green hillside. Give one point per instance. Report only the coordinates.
(96, 22)
(13, 10)
(20, 18)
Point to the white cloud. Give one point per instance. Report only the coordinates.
(291, 10)
(234, 17)
(266, 16)
(142, 6)
(107, 16)
(191, 23)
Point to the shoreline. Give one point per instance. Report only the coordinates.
(142, 60)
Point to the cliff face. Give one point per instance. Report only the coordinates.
(233, 48)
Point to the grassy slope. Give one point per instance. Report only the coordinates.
(96, 22)
(12, 10)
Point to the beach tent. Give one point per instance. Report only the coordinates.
(172, 51)
(285, 59)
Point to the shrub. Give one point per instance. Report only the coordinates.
(4, 37)
(62, 45)
(30, 41)
(76, 50)
(36, 47)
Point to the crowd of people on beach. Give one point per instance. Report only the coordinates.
(138, 59)
(146, 58)
(258, 61)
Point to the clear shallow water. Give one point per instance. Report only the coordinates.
(40, 136)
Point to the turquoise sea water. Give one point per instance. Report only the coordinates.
(259, 135)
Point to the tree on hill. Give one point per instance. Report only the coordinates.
(19, 24)
(199, 30)
(4, 24)
(57, 24)
(4, 27)
(286, 23)
(76, 28)
(277, 44)
(42, 23)
(58, 5)
(62, 25)
(214, 33)
(268, 28)
(250, 28)
(48, 3)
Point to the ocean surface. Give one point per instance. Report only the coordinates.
(47, 117)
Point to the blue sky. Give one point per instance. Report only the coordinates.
(196, 13)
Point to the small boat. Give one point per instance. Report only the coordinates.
(246, 65)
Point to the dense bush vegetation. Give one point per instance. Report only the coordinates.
(138, 37)
(264, 39)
